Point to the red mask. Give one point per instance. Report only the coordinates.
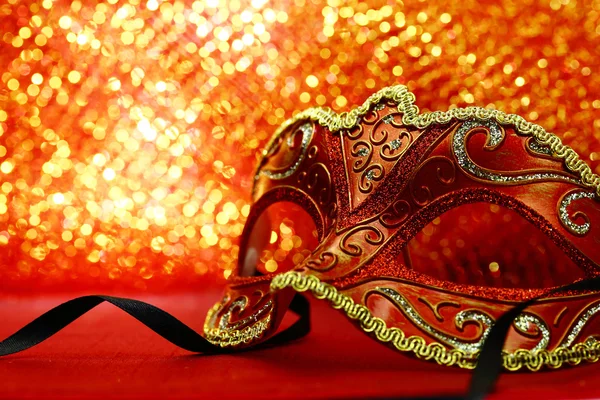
(423, 229)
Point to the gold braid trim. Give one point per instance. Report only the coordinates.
(405, 100)
(533, 360)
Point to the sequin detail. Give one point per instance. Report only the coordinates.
(388, 119)
(494, 139)
(240, 304)
(470, 315)
(395, 144)
(523, 322)
(534, 360)
(565, 219)
(363, 152)
(578, 326)
(224, 333)
(539, 148)
(307, 134)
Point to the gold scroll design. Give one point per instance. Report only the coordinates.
(445, 173)
(420, 194)
(316, 181)
(526, 323)
(568, 221)
(350, 244)
(405, 102)
(222, 331)
(588, 350)
(369, 234)
(389, 149)
(323, 262)
(435, 308)
(580, 322)
(306, 130)
(495, 137)
(353, 241)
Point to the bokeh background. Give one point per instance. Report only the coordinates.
(129, 130)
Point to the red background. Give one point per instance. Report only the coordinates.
(107, 354)
(536, 58)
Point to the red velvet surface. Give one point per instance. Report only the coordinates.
(108, 355)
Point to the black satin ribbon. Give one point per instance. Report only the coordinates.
(485, 375)
(160, 321)
(489, 364)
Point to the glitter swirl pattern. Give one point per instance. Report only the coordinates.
(307, 134)
(565, 218)
(582, 320)
(240, 304)
(495, 138)
(536, 147)
(532, 359)
(524, 322)
(222, 331)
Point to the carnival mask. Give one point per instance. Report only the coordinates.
(365, 192)
(423, 229)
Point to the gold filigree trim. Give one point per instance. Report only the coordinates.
(230, 337)
(533, 360)
(400, 95)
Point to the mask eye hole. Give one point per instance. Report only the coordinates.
(282, 237)
(488, 245)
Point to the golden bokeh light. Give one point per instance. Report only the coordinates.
(129, 129)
